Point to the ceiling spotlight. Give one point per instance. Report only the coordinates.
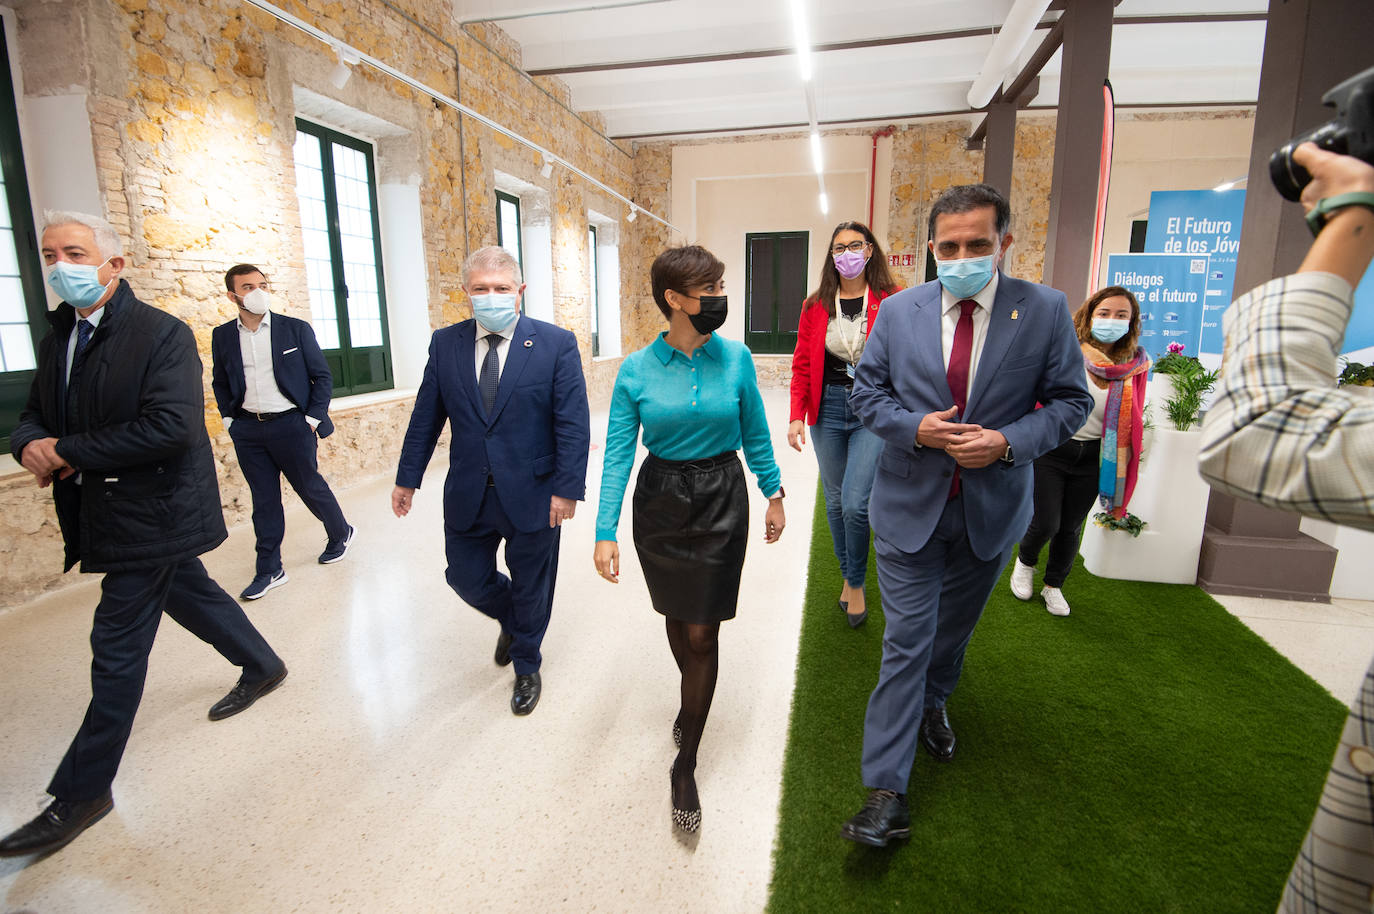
(634, 211)
(546, 170)
(348, 58)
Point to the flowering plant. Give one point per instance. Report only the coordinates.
(1130, 523)
(1173, 361)
(1191, 383)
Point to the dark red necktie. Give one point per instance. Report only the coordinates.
(960, 354)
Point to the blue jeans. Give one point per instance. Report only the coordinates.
(848, 457)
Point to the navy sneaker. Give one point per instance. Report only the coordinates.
(334, 549)
(263, 583)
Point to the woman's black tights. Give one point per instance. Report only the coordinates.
(696, 650)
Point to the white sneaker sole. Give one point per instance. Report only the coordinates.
(339, 558)
(272, 585)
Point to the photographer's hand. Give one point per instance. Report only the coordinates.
(1346, 243)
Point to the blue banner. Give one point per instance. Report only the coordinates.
(1172, 291)
(1201, 223)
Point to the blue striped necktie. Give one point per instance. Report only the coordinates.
(83, 337)
(491, 372)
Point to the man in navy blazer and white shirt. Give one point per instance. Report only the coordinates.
(511, 390)
(272, 386)
(950, 380)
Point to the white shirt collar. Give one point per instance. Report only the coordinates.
(984, 297)
(93, 320)
(508, 334)
(266, 322)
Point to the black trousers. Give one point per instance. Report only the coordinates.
(1065, 491)
(267, 451)
(126, 619)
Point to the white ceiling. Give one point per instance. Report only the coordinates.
(751, 86)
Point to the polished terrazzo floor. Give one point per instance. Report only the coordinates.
(388, 774)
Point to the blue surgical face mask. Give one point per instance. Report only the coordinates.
(496, 311)
(1109, 330)
(77, 283)
(966, 278)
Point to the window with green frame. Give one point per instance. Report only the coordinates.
(336, 187)
(593, 280)
(774, 287)
(22, 302)
(508, 231)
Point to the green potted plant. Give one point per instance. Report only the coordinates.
(1355, 374)
(1190, 384)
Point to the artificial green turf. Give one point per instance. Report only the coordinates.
(1146, 753)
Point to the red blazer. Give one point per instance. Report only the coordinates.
(808, 360)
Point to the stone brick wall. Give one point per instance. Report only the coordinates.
(192, 106)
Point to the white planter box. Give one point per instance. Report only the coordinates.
(1354, 557)
(1171, 498)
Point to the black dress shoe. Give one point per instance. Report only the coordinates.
(55, 827)
(503, 640)
(526, 694)
(936, 734)
(243, 694)
(885, 816)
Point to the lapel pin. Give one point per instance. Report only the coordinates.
(529, 343)
(1014, 313)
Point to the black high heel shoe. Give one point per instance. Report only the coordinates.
(689, 820)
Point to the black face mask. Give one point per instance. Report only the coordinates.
(711, 315)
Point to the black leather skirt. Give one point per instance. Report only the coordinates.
(691, 526)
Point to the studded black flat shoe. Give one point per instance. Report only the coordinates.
(689, 820)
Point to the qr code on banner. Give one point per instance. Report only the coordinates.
(1198, 266)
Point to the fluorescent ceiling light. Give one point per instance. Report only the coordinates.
(825, 204)
(802, 36)
(817, 161)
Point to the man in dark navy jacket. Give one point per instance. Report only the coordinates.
(511, 389)
(272, 386)
(115, 424)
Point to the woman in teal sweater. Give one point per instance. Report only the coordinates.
(697, 398)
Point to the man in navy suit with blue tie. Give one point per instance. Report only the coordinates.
(511, 389)
(272, 386)
(951, 379)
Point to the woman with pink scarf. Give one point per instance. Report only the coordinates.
(1100, 462)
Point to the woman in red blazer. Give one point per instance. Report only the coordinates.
(834, 325)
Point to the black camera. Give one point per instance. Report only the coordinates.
(1350, 133)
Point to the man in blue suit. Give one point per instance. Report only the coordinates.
(272, 386)
(512, 391)
(950, 379)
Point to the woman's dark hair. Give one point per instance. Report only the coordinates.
(875, 271)
(681, 268)
(1123, 349)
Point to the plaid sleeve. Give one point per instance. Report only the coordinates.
(1280, 431)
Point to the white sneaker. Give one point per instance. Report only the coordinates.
(1022, 580)
(1054, 601)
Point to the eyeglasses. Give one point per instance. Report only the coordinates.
(855, 246)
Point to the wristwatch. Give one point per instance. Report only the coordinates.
(782, 493)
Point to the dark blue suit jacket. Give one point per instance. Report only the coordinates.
(302, 374)
(534, 444)
(1030, 355)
